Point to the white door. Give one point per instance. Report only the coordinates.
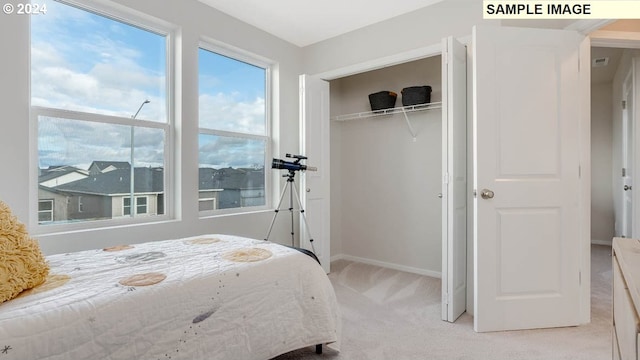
(314, 186)
(527, 176)
(454, 168)
(627, 157)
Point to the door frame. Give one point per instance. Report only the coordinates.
(396, 59)
(401, 58)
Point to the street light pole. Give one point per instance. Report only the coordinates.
(132, 199)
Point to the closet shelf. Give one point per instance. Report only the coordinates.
(398, 110)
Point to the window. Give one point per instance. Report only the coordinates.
(234, 140)
(45, 210)
(99, 101)
(207, 204)
(126, 206)
(141, 205)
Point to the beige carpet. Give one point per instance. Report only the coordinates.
(389, 314)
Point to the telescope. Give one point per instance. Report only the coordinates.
(292, 165)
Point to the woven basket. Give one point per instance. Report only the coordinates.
(382, 100)
(415, 95)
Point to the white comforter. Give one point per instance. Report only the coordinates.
(209, 305)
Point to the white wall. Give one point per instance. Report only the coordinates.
(602, 216)
(418, 29)
(388, 210)
(192, 20)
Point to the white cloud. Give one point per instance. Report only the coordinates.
(77, 65)
(224, 112)
(221, 152)
(107, 89)
(68, 142)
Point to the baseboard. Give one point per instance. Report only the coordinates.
(388, 265)
(601, 242)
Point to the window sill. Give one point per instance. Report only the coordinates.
(42, 231)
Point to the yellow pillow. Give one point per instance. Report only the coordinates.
(22, 265)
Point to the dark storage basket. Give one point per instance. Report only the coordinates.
(415, 95)
(382, 100)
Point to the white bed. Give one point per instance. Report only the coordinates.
(205, 297)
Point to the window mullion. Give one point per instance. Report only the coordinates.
(96, 118)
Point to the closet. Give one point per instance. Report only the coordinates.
(391, 188)
(386, 170)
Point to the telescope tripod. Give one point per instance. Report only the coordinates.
(292, 190)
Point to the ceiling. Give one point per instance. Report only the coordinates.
(304, 22)
(601, 74)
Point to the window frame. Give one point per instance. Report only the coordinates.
(136, 206)
(146, 204)
(212, 200)
(147, 23)
(237, 54)
(53, 204)
(125, 206)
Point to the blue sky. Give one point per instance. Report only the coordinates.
(85, 62)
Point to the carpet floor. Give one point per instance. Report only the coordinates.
(389, 314)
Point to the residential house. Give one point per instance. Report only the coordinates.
(105, 192)
(53, 204)
(230, 188)
(108, 195)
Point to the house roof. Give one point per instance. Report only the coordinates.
(53, 172)
(49, 189)
(147, 180)
(101, 165)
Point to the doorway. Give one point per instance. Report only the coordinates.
(381, 145)
(604, 133)
(614, 48)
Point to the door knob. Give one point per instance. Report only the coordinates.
(487, 194)
(627, 187)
